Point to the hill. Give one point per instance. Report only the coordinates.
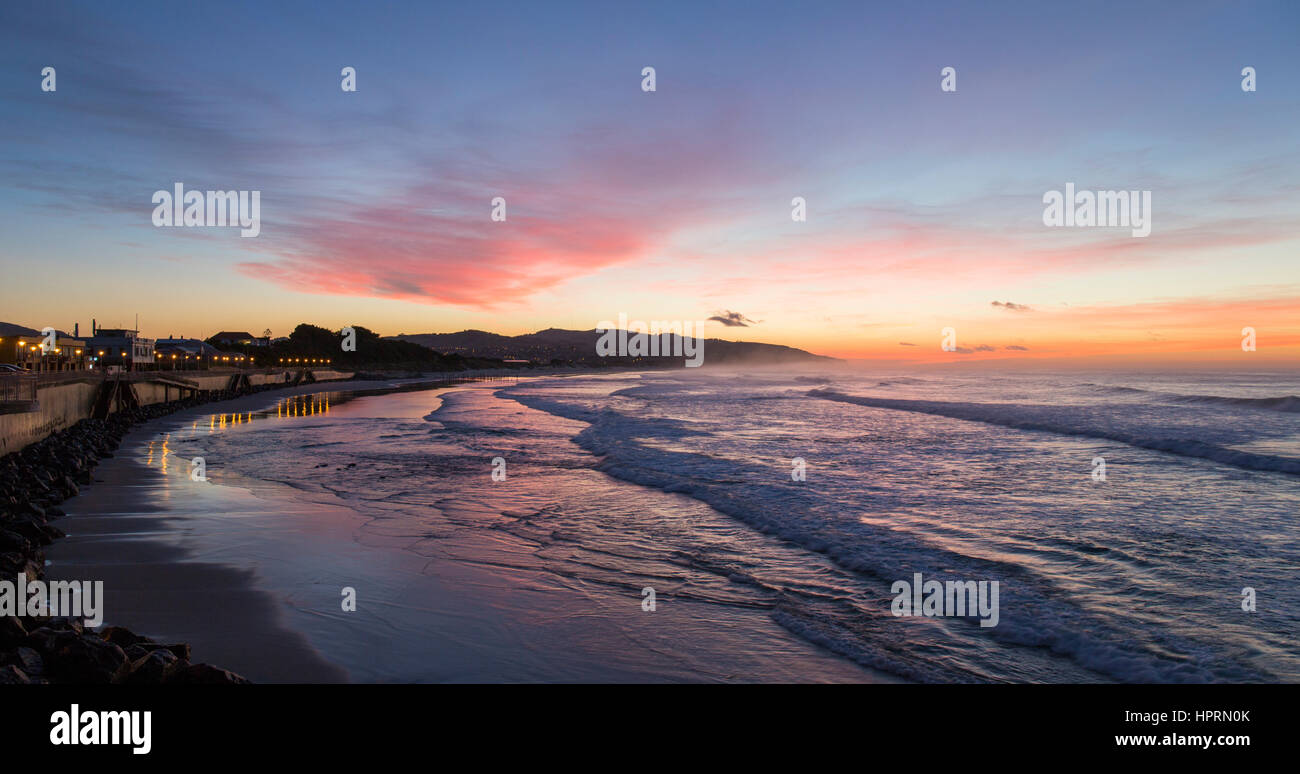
(579, 348)
(372, 351)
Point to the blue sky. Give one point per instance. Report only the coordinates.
(924, 206)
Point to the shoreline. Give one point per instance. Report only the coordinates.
(36, 480)
(424, 615)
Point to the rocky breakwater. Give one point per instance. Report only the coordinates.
(44, 649)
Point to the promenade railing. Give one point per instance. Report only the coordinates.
(17, 388)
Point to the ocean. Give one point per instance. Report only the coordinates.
(1140, 528)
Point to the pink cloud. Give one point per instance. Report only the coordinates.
(395, 253)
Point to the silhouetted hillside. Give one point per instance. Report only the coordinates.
(372, 351)
(579, 348)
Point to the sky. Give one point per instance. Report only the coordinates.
(924, 207)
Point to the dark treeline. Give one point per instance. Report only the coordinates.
(314, 342)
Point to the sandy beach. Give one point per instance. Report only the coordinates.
(250, 571)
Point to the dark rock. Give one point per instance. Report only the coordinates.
(32, 530)
(12, 631)
(180, 650)
(27, 660)
(12, 563)
(12, 541)
(12, 675)
(43, 639)
(73, 625)
(34, 622)
(70, 657)
(153, 668)
(122, 637)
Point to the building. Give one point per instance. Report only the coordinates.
(14, 339)
(182, 354)
(48, 351)
(121, 348)
(243, 338)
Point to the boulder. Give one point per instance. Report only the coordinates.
(12, 632)
(180, 649)
(153, 668)
(29, 661)
(12, 541)
(30, 529)
(122, 637)
(12, 675)
(71, 657)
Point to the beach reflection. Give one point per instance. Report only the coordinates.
(162, 448)
(292, 407)
(303, 405)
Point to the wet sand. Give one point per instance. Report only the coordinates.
(250, 573)
(127, 531)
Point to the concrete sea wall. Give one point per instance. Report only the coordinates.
(66, 402)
